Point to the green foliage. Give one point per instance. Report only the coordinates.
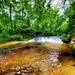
(4, 38)
(66, 38)
(72, 52)
(30, 18)
(10, 38)
(8, 35)
(16, 37)
(70, 15)
(64, 27)
(1, 38)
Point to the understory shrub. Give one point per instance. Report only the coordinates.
(5, 38)
(16, 37)
(72, 52)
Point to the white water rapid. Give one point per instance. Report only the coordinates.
(52, 39)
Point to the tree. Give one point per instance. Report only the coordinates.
(70, 15)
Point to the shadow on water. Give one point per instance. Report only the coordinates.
(7, 49)
(18, 47)
(36, 58)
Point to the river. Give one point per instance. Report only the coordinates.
(35, 58)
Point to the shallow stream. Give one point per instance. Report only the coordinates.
(35, 58)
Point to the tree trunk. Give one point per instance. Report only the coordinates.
(10, 10)
(22, 16)
(3, 12)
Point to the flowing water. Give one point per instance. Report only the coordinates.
(37, 58)
(53, 39)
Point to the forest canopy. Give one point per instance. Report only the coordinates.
(21, 19)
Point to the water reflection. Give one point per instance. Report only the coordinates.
(48, 64)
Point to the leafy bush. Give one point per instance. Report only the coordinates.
(15, 37)
(1, 38)
(11, 31)
(72, 52)
(64, 27)
(66, 38)
(5, 38)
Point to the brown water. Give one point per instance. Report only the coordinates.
(10, 43)
(35, 59)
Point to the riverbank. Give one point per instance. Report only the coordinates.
(10, 43)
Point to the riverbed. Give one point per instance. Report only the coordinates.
(37, 59)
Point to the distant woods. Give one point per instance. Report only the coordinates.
(28, 18)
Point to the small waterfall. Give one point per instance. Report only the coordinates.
(53, 39)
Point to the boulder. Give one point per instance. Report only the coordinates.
(72, 43)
